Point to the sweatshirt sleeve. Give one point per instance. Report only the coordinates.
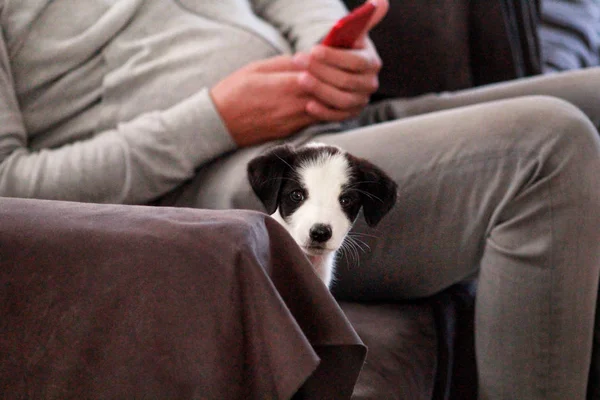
(303, 22)
(133, 163)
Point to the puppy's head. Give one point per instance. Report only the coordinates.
(316, 192)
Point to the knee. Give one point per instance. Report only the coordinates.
(560, 120)
(575, 135)
(555, 130)
(568, 152)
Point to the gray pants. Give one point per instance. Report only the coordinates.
(501, 182)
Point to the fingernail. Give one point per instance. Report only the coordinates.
(301, 59)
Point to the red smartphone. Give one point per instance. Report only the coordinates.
(347, 30)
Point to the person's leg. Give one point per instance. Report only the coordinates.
(511, 188)
(579, 87)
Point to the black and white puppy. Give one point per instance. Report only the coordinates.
(316, 192)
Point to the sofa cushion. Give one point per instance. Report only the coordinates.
(424, 46)
(422, 349)
(431, 46)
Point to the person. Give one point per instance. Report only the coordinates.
(164, 102)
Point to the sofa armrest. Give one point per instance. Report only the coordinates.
(104, 301)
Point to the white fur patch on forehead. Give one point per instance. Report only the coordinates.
(325, 171)
(319, 144)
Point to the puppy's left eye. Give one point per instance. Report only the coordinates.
(346, 200)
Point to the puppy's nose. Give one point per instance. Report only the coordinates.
(320, 233)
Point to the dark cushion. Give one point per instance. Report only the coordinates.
(430, 46)
(424, 46)
(421, 349)
(402, 343)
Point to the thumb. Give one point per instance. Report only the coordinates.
(381, 9)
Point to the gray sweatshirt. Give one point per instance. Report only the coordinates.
(107, 100)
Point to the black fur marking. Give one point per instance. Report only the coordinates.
(266, 173)
(353, 197)
(291, 183)
(377, 190)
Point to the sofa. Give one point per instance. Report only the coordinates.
(108, 301)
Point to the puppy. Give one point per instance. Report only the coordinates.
(316, 192)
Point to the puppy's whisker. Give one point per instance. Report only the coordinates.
(361, 234)
(285, 162)
(345, 251)
(284, 179)
(353, 184)
(369, 195)
(359, 243)
(342, 252)
(351, 250)
(292, 180)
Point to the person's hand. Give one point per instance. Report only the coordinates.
(342, 81)
(263, 101)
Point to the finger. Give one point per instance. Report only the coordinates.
(331, 95)
(323, 113)
(357, 61)
(343, 80)
(381, 9)
(282, 85)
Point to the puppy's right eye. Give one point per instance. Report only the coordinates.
(297, 196)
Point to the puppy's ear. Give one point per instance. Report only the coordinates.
(378, 190)
(266, 172)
